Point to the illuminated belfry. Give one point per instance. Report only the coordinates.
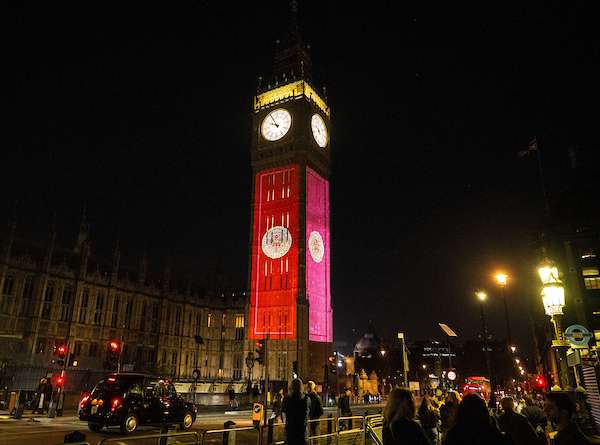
(290, 301)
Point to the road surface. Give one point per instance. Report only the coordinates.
(45, 431)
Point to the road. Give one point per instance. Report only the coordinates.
(45, 431)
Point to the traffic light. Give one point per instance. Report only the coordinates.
(113, 354)
(61, 351)
(332, 364)
(260, 350)
(59, 381)
(539, 382)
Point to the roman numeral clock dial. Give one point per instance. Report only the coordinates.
(319, 130)
(276, 124)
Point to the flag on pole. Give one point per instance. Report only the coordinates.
(532, 146)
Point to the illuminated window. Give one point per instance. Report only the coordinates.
(597, 336)
(7, 293)
(209, 320)
(48, 299)
(85, 297)
(592, 282)
(590, 272)
(239, 320)
(587, 254)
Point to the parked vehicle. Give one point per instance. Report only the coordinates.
(129, 400)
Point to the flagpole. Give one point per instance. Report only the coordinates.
(541, 178)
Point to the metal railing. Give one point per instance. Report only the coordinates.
(125, 440)
(229, 435)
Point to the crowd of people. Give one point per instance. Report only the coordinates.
(470, 421)
(445, 419)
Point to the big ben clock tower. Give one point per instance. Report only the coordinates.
(290, 297)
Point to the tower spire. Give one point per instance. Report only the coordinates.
(291, 55)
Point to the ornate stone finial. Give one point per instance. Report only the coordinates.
(302, 69)
(259, 86)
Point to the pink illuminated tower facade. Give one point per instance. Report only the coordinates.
(289, 267)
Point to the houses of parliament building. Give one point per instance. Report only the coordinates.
(53, 295)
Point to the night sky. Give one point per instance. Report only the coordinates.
(142, 114)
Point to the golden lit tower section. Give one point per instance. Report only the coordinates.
(290, 288)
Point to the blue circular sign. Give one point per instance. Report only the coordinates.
(578, 335)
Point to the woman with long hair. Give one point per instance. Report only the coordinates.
(429, 417)
(399, 425)
(473, 424)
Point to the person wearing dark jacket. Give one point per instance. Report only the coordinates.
(560, 408)
(296, 407)
(514, 425)
(429, 417)
(473, 424)
(316, 408)
(399, 425)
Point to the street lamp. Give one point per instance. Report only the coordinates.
(553, 297)
(502, 280)
(482, 297)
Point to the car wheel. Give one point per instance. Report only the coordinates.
(94, 427)
(129, 424)
(188, 420)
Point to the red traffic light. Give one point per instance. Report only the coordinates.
(60, 380)
(114, 346)
(61, 351)
(540, 381)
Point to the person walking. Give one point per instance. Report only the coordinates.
(429, 417)
(278, 406)
(231, 394)
(344, 407)
(296, 407)
(515, 425)
(399, 425)
(559, 409)
(316, 408)
(473, 424)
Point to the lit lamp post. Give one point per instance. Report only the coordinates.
(482, 297)
(502, 280)
(553, 297)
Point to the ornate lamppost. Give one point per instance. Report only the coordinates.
(553, 297)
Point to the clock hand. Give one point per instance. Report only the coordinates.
(271, 116)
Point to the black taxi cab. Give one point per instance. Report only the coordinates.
(129, 400)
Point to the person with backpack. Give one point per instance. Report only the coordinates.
(316, 408)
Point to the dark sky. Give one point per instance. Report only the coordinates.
(143, 114)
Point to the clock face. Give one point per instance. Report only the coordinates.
(319, 130)
(276, 242)
(315, 246)
(276, 124)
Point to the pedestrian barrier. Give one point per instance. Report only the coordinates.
(184, 437)
(374, 430)
(229, 436)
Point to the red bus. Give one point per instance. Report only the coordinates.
(478, 385)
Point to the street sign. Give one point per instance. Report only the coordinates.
(578, 335)
(451, 375)
(447, 329)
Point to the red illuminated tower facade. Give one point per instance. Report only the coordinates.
(290, 288)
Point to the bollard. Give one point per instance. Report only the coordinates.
(270, 430)
(229, 438)
(330, 424)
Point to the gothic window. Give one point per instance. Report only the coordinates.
(85, 299)
(65, 306)
(155, 312)
(48, 299)
(98, 309)
(7, 293)
(115, 312)
(237, 367)
(27, 296)
(177, 324)
(239, 326)
(77, 348)
(128, 312)
(143, 317)
(174, 358)
(93, 350)
(41, 346)
(209, 320)
(198, 323)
